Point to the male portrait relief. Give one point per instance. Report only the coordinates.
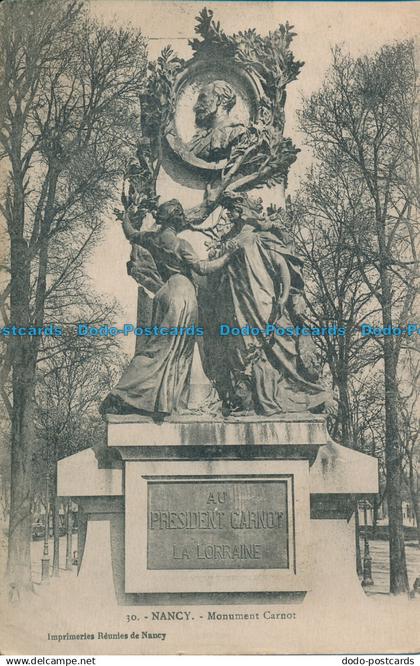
(216, 134)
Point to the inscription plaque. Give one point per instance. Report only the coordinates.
(226, 524)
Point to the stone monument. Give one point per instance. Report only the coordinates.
(235, 492)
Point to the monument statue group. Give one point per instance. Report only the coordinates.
(221, 122)
(236, 489)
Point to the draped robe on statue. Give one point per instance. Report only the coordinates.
(270, 374)
(158, 378)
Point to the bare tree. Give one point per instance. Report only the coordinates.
(367, 113)
(67, 103)
(367, 400)
(409, 429)
(327, 206)
(71, 383)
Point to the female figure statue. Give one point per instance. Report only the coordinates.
(261, 285)
(157, 379)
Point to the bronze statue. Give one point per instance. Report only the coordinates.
(260, 287)
(157, 379)
(253, 276)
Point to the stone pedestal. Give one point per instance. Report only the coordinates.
(218, 510)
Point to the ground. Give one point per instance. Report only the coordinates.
(65, 616)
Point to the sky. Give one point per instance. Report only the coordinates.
(361, 27)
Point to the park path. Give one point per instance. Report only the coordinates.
(379, 551)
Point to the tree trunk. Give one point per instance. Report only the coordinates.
(20, 525)
(347, 439)
(398, 579)
(69, 535)
(359, 567)
(22, 428)
(375, 516)
(415, 499)
(344, 406)
(56, 536)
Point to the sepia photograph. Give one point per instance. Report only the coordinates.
(210, 328)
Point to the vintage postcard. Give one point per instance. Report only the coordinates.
(209, 346)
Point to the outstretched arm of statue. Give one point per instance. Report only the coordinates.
(131, 233)
(206, 266)
(198, 214)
